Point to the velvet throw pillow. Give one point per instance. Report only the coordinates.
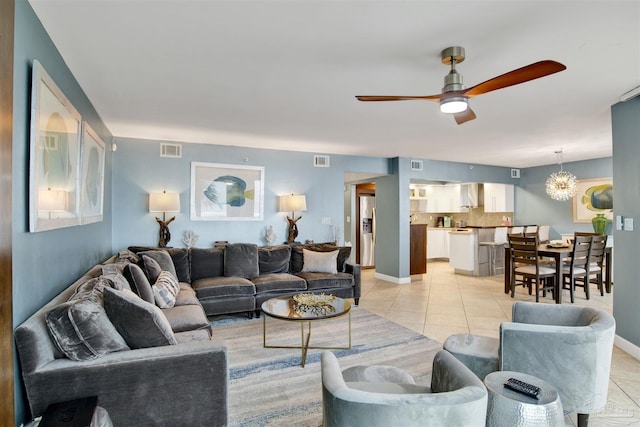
(138, 282)
(165, 290)
(241, 260)
(274, 259)
(141, 324)
(163, 260)
(81, 329)
(320, 262)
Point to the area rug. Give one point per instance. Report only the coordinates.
(268, 387)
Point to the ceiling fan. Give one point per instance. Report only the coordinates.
(454, 97)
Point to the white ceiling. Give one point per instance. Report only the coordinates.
(283, 74)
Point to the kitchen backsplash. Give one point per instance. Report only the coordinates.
(475, 216)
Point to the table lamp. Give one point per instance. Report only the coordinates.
(292, 203)
(164, 202)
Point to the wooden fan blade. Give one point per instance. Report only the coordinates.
(397, 98)
(464, 116)
(521, 75)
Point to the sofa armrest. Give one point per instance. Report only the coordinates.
(355, 270)
(184, 384)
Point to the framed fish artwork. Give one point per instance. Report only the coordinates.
(222, 192)
(593, 197)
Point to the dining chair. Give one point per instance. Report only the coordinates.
(531, 230)
(516, 230)
(525, 263)
(596, 259)
(576, 273)
(543, 233)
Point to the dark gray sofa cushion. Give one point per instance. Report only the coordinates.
(186, 318)
(186, 295)
(324, 280)
(223, 287)
(140, 323)
(179, 256)
(163, 259)
(151, 268)
(139, 282)
(81, 329)
(278, 282)
(241, 260)
(181, 263)
(206, 263)
(274, 259)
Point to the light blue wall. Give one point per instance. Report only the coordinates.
(138, 169)
(533, 206)
(626, 187)
(435, 170)
(45, 263)
(392, 221)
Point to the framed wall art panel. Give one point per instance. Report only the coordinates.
(92, 182)
(594, 196)
(54, 156)
(222, 192)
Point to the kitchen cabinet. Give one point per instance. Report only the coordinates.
(463, 251)
(418, 249)
(437, 243)
(418, 198)
(444, 199)
(498, 197)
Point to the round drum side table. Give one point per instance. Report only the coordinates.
(509, 408)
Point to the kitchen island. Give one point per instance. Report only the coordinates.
(473, 253)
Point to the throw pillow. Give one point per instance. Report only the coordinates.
(81, 329)
(151, 268)
(206, 263)
(138, 281)
(274, 259)
(141, 324)
(91, 286)
(163, 259)
(241, 260)
(112, 273)
(320, 262)
(165, 290)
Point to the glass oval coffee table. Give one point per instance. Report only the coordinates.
(305, 309)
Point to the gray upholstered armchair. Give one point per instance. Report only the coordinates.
(456, 397)
(569, 347)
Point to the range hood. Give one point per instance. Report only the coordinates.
(469, 195)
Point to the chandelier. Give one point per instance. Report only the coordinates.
(561, 185)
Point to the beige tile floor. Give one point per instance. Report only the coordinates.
(444, 303)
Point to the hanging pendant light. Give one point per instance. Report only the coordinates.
(561, 185)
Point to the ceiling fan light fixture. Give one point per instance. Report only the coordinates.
(454, 104)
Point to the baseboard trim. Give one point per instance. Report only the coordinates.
(627, 347)
(396, 280)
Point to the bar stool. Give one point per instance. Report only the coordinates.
(499, 240)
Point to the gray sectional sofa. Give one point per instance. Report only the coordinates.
(240, 277)
(106, 335)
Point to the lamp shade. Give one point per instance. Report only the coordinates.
(164, 202)
(52, 200)
(293, 203)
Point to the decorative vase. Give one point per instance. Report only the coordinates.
(599, 224)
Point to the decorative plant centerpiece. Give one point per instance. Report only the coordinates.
(312, 303)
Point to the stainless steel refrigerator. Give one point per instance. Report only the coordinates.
(367, 230)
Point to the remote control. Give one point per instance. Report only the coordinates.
(522, 387)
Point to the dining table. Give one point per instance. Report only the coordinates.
(558, 253)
